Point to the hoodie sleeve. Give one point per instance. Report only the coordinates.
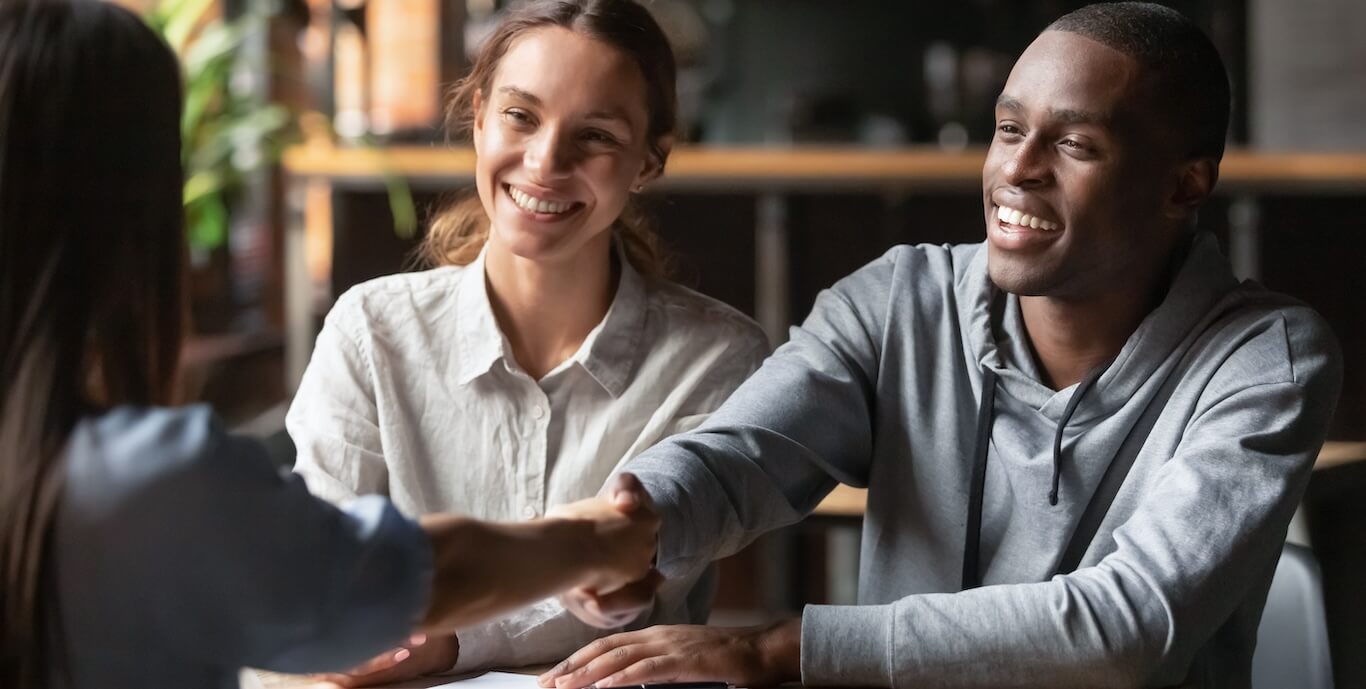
(777, 446)
(1208, 525)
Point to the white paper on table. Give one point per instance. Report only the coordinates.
(494, 680)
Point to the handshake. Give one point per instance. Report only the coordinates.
(619, 551)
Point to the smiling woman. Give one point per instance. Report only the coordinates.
(629, 92)
(545, 347)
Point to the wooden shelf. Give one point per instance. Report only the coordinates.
(826, 168)
(850, 502)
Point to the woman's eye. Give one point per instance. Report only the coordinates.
(517, 117)
(1008, 128)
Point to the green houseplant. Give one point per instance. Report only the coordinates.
(227, 131)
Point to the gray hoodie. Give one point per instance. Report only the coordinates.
(880, 388)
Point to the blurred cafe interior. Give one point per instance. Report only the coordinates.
(814, 135)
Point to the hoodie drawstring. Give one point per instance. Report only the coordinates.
(1067, 412)
(985, 411)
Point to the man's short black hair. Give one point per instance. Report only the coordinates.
(1190, 77)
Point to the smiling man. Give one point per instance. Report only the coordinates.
(1083, 439)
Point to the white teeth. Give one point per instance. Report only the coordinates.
(1015, 217)
(535, 205)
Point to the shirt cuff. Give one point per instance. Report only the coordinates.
(847, 645)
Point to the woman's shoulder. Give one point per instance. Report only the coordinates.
(686, 312)
(397, 298)
(129, 455)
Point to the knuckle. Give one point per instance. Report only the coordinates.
(621, 653)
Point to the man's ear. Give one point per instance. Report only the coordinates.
(1194, 183)
(477, 102)
(654, 160)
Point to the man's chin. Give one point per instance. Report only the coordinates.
(1021, 278)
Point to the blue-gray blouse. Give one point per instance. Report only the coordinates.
(181, 554)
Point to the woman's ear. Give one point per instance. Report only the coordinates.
(654, 161)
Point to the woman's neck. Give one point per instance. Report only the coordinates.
(547, 309)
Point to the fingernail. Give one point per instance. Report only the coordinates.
(402, 655)
(417, 639)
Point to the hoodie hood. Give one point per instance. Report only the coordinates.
(995, 329)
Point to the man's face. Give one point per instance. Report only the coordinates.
(1077, 175)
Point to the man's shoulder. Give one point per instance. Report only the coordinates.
(909, 273)
(924, 263)
(1273, 338)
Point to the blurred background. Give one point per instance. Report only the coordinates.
(818, 134)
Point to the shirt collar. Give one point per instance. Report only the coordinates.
(479, 342)
(608, 354)
(611, 350)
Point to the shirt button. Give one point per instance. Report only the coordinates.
(529, 512)
(537, 413)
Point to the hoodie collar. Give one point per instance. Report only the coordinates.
(1001, 343)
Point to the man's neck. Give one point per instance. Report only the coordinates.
(547, 309)
(1073, 335)
(1070, 338)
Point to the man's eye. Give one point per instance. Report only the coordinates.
(598, 137)
(1007, 128)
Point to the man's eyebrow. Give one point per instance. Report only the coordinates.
(613, 114)
(1063, 115)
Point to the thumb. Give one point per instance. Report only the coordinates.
(627, 494)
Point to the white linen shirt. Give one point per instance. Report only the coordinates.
(413, 392)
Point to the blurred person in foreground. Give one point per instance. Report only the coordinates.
(141, 545)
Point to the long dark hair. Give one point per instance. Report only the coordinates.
(91, 257)
(459, 232)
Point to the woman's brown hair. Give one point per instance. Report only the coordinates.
(458, 233)
(91, 253)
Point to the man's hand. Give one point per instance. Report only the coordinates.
(422, 656)
(615, 609)
(625, 527)
(745, 657)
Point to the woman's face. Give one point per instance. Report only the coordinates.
(561, 141)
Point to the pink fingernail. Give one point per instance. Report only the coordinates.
(402, 655)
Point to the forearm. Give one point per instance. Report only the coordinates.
(780, 651)
(482, 569)
(1088, 630)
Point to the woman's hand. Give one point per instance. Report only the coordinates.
(621, 546)
(745, 657)
(421, 656)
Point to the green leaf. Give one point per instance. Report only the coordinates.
(216, 43)
(182, 19)
(207, 222)
(201, 184)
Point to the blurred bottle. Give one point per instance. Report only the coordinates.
(350, 74)
(404, 41)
